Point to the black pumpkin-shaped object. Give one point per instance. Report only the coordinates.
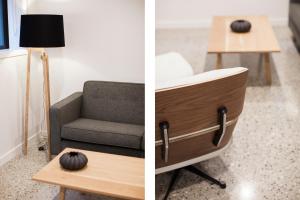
(73, 160)
(240, 26)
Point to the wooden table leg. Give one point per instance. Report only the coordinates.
(219, 61)
(267, 64)
(62, 193)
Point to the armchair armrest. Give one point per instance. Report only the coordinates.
(294, 1)
(63, 112)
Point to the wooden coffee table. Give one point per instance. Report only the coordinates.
(105, 174)
(260, 39)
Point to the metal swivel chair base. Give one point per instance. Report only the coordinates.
(196, 171)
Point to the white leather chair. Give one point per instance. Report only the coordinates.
(195, 114)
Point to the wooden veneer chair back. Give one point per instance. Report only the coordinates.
(192, 113)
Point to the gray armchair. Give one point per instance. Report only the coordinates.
(105, 117)
(294, 21)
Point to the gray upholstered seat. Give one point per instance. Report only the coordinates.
(104, 132)
(106, 117)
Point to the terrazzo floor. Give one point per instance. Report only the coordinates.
(263, 161)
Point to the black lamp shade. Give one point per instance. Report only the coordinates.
(42, 31)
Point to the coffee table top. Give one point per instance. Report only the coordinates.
(106, 174)
(261, 37)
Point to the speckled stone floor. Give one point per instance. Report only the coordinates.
(16, 183)
(263, 161)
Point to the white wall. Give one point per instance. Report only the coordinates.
(104, 41)
(12, 89)
(198, 13)
(12, 82)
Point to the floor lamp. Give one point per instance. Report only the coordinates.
(37, 33)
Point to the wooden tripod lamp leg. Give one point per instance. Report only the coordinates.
(44, 58)
(25, 136)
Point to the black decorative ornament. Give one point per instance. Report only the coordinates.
(240, 26)
(73, 160)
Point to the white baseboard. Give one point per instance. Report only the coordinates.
(205, 23)
(14, 151)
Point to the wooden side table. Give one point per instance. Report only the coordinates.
(260, 39)
(105, 174)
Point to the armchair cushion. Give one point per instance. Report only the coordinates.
(171, 66)
(113, 101)
(105, 133)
